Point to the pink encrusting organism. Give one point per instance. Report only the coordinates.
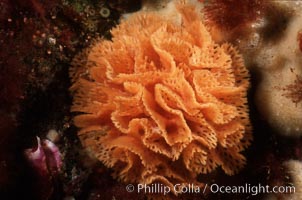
(45, 157)
(46, 162)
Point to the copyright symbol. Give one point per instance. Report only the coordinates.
(130, 188)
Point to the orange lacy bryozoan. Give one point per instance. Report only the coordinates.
(162, 102)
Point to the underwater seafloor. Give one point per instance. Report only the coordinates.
(41, 156)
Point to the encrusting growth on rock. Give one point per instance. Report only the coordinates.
(221, 12)
(162, 102)
(294, 91)
(230, 18)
